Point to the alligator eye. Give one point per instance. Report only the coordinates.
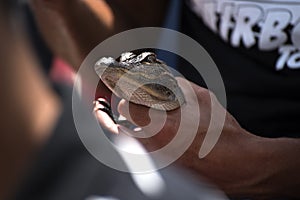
(170, 95)
(151, 58)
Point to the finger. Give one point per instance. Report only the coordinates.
(103, 105)
(152, 121)
(104, 118)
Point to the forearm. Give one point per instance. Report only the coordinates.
(89, 22)
(28, 107)
(255, 167)
(280, 170)
(72, 28)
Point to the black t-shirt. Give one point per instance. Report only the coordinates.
(65, 170)
(255, 45)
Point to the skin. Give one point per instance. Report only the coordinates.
(240, 163)
(27, 121)
(29, 108)
(97, 21)
(71, 36)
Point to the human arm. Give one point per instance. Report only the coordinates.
(78, 26)
(72, 28)
(29, 107)
(241, 164)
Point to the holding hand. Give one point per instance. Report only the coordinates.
(161, 128)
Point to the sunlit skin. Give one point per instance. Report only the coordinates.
(238, 163)
(30, 119)
(29, 107)
(241, 163)
(97, 21)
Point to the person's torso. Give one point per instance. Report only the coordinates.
(256, 46)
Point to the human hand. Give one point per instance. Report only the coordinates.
(229, 153)
(162, 127)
